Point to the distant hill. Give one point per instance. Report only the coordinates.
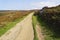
(5, 12)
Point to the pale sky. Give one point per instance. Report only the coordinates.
(26, 4)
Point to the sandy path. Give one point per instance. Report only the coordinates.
(22, 31)
(39, 32)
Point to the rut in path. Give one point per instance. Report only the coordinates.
(39, 32)
(22, 30)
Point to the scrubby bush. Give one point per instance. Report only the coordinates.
(51, 16)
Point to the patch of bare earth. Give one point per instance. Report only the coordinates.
(39, 32)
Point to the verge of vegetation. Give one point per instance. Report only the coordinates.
(49, 19)
(34, 21)
(49, 35)
(46, 32)
(9, 25)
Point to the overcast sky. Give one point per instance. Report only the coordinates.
(26, 4)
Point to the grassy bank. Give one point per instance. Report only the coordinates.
(34, 20)
(46, 32)
(9, 25)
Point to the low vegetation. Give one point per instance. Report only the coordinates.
(34, 20)
(49, 18)
(10, 18)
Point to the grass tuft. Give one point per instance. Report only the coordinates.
(34, 20)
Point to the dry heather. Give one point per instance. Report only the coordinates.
(10, 16)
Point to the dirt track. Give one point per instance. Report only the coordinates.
(39, 32)
(22, 30)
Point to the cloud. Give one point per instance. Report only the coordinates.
(44, 3)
